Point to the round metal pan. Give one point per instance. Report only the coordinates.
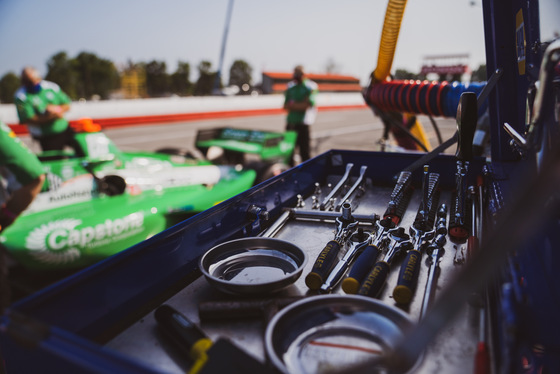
(331, 333)
(252, 266)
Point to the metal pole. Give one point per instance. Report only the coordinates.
(223, 50)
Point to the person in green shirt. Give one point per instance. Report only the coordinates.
(29, 173)
(27, 170)
(300, 104)
(41, 105)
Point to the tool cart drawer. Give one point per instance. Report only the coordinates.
(102, 319)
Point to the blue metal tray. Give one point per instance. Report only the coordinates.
(68, 326)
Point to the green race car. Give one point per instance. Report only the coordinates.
(268, 153)
(95, 206)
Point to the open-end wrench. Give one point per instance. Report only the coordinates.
(357, 242)
(357, 184)
(327, 200)
(374, 281)
(345, 226)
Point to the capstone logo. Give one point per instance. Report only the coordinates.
(60, 241)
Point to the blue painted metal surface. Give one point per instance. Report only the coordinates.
(63, 327)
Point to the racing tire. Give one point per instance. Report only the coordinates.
(112, 185)
(268, 171)
(187, 153)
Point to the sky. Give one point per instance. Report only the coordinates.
(269, 35)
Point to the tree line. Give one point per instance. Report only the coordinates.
(88, 75)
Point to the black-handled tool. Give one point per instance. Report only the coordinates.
(367, 258)
(207, 356)
(400, 197)
(421, 231)
(374, 281)
(467, 115)
(345, 226)
(357, 242)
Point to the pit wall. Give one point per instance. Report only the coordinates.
(115, 113)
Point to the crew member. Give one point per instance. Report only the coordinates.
(28, 171)
(26, 168)
(301, 107)
(41, 105)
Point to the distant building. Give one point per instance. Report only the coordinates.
(275, 82)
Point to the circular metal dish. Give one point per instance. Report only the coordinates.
(330, 333)
(252, 266)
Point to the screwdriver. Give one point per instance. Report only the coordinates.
(207, 357)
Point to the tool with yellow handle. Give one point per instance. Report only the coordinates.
(400, 197)
(207, 357)
(374, 281)
(357, 242)
(366, 259)
(346, 224)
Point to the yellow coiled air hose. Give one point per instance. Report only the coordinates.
(387, 46)
(389, 37)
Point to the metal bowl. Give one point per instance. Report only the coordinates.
(252, 266)
(331, 333)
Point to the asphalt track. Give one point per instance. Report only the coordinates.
(356, 129)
